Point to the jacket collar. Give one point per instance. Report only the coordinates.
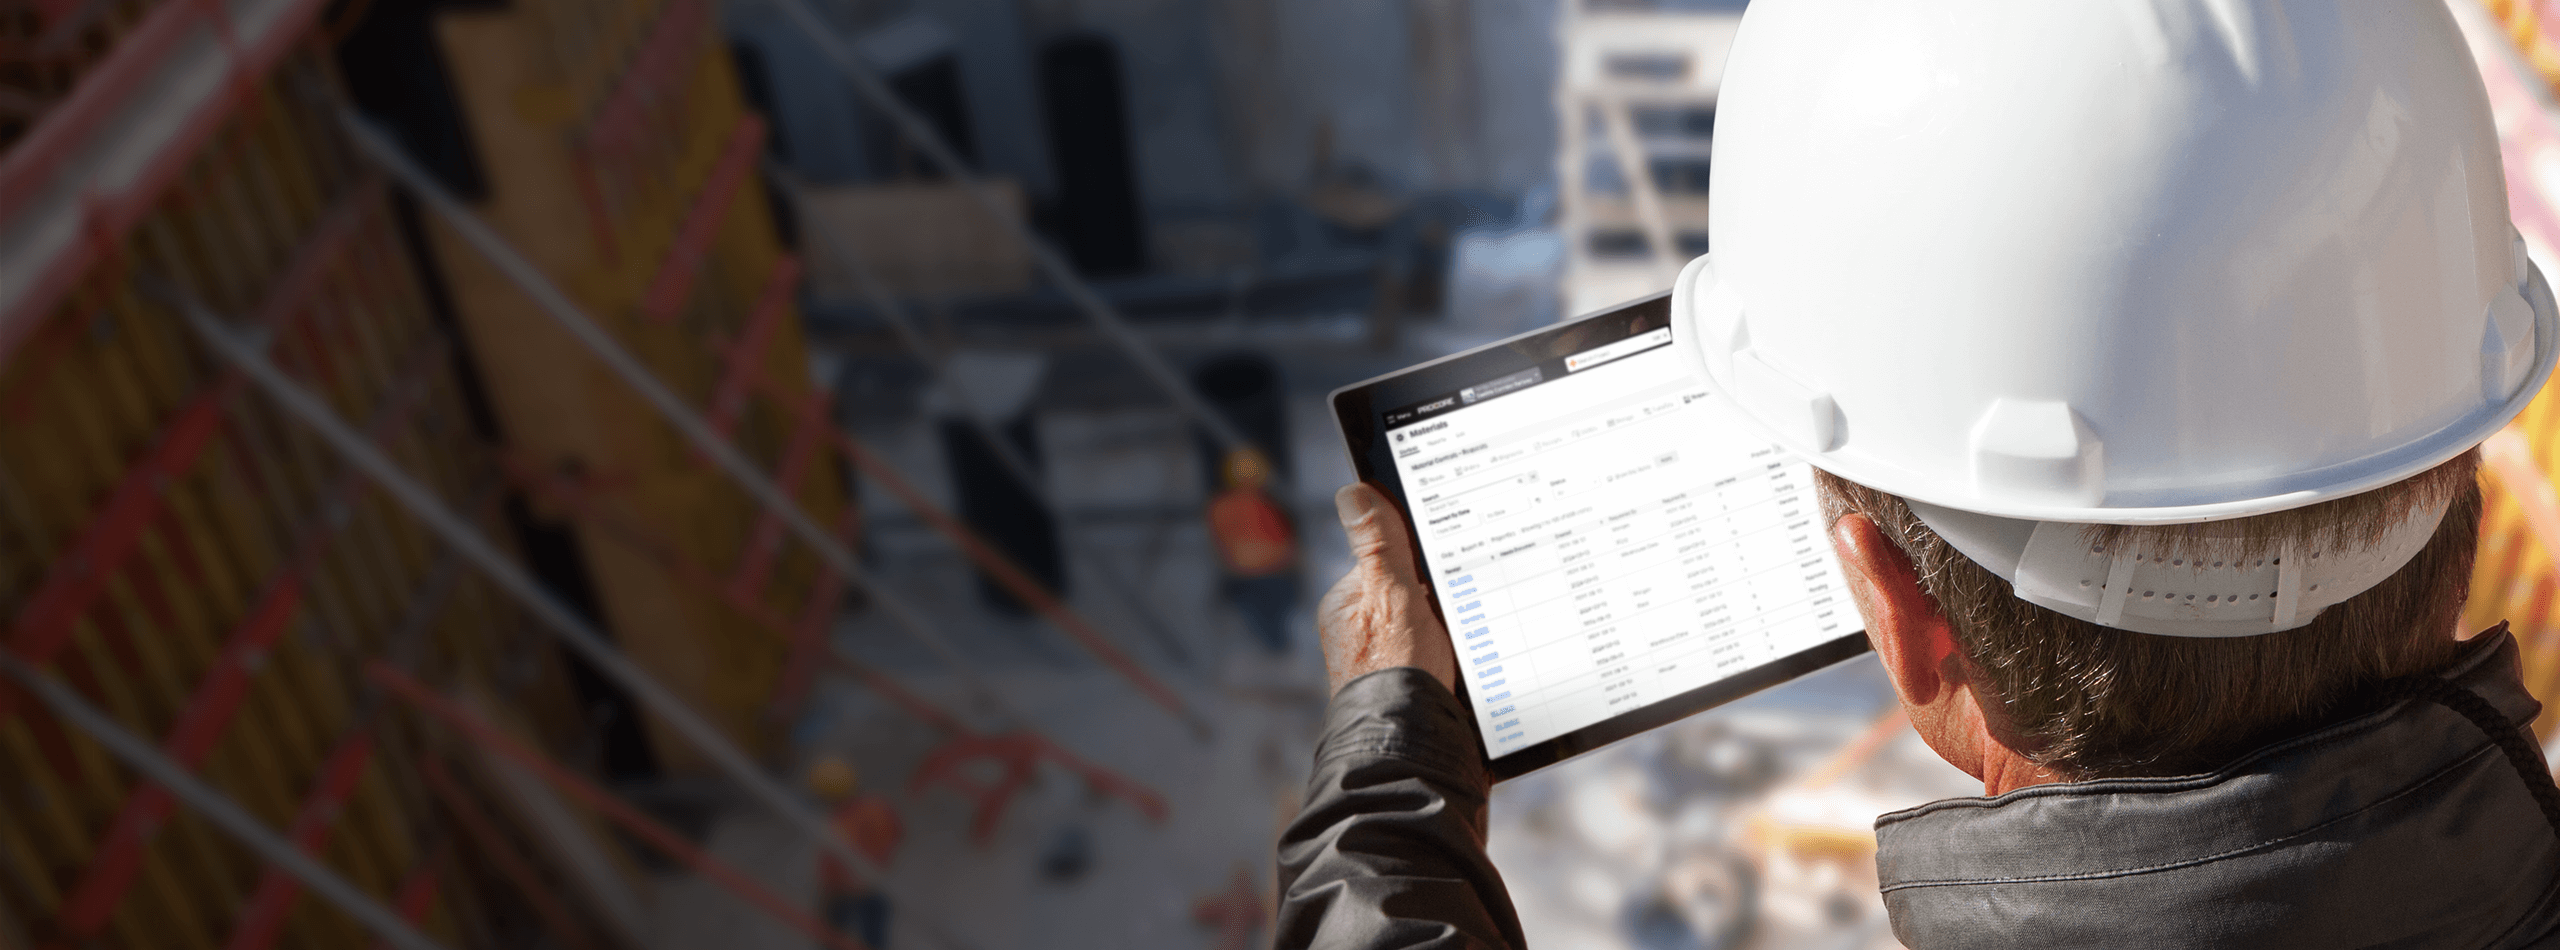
(2405, 823)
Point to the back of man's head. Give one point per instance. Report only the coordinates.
(2090, 701)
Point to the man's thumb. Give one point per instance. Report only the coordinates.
(1376, 532)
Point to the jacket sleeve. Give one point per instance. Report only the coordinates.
(1388, 851)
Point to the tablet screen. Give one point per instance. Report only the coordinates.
(1603, 535)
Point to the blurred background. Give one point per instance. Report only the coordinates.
(635, 474)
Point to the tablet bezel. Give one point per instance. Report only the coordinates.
(1356, 413)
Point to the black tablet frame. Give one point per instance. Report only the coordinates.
(1358, 409)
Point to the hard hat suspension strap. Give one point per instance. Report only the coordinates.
(2176, 590)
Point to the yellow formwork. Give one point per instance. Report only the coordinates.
(2516, 579)
(272, 219)
(600, 128)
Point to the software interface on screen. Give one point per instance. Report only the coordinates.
(1604, 536)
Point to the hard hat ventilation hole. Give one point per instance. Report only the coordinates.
(2191, 596)
(2181, 562)
(2084, 582)
(2146, 595)
(2217, 563)
(2211, 598)
(2253, 597)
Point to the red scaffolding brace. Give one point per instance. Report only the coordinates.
(657, 836)
(683, 263)
(263, 920)
(1013, 752)
(217, 697)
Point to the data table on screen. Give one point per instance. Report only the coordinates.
(1610, 539)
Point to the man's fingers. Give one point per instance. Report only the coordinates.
(1378, 539)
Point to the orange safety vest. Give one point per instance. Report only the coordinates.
(1252, 533)
(873, 829)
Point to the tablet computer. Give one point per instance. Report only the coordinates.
(1610, 549)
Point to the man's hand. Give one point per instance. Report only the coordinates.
(1379, 616)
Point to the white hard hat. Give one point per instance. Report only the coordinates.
(2137, 262)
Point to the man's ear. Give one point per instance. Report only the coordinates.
(1910, 633)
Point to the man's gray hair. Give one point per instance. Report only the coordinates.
(2089, 701)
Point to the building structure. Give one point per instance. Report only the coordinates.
(1636, 119)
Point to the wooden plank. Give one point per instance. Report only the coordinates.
(918, 239)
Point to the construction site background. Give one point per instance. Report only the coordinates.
(771, 473)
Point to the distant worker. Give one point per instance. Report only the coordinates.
(1257, 546)
(854, 905)
(2142, 349)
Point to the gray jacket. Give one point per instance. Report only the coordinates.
(2405, 827)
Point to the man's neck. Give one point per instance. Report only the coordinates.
(2001, 768)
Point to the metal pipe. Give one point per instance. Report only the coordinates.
(657, 835)
(466, 540)
(677, 413)
(551, 300)
(216, 807)
(1052, 264)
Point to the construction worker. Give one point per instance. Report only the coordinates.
(1256, 545)
(2141, 348)
(854, 905)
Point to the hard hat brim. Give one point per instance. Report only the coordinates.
(2293, 490)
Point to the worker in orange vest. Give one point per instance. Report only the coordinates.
(866, 822)
(1257, 546)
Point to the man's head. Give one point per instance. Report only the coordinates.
(2147, 270)
(2079, 700)
(1245, 468)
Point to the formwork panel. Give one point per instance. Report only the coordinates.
(195, 563)
(619, 161)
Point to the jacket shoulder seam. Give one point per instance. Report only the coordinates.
(2462, 763)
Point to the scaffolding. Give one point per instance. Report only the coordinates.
(187, 566)
(1635, 123)
(271, 636)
